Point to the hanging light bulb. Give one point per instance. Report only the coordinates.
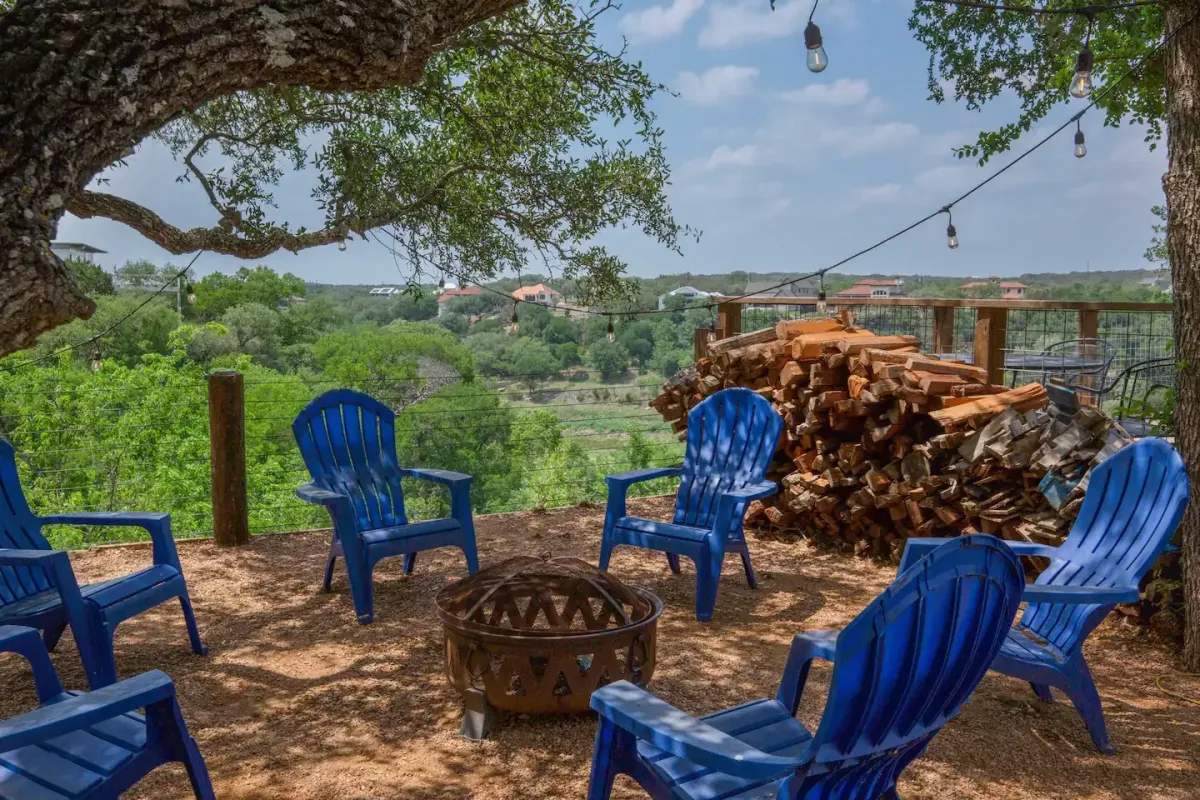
(611, 336)
(516, 322)
(342, 245)
(191, 294)
(822, 306)
(97, 360)
(951, 237)
(1080, 147)
(441, 283)
(816, 59)
(1081, 83)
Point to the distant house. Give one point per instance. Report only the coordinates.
(873, 287)
(538, 293)
(1160, 282)
(1013, 290)
(76, 250)
(689, 293)
(1009, 290)
(766, 291)
(383, 291)
(451, 291)
(289, 301)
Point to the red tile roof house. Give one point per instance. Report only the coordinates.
(873, 287)
(538, 293)
(1013, 290)
(447, 295)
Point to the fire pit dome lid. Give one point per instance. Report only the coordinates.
(486, 601)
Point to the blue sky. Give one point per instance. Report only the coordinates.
(784, 170)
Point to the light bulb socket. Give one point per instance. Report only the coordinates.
(951, 232)
(812, 36)
(821, 296)
(610, 327)
(1083, 63)
(1078, 138)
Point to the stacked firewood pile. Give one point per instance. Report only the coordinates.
(882, 442)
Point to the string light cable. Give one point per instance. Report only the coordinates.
(946, 209)
(115, 325)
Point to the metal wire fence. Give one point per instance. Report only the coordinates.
(527, 443)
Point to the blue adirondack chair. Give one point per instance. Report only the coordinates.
(348, 440)
(93, 745)
(38, 588)
(731, 437)
(1134, 502)
(901, 670)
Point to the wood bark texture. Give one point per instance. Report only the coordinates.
(83, 81)
(1182, 186)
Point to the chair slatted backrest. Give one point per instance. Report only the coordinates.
(19, 529)
(348, 441)
(906, 665)
(1133, 505)
(731, 437)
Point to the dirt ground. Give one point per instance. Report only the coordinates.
(297, 700)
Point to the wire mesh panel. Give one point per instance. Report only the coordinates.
(756, 316)
(128, 440)
(896, 321)
(1137, 336)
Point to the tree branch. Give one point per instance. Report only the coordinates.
(88, 204)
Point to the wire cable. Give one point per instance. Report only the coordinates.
(112, 327)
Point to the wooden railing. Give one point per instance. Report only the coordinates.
(991, 325)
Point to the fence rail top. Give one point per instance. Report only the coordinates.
(950, 302)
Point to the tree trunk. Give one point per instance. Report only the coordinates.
(83, 81)
(1182, 187)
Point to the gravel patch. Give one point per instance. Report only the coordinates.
(297, 700)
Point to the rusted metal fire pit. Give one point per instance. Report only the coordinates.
(539, 635)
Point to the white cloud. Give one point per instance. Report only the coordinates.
(842, 93)
(869, 139)
(751, 20)
(659, 22)
(717, 85)
(725, 156)
(883, 193)
(947, 179)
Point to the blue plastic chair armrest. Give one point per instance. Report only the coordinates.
(156, 523)
(312, 494)
(1089, 595)
(805, 647)
(27, 642)
(645, 716)
(140, 519)
(624, 479)
(1031, 549)
(442, 476)
(11, 557)
(85, 710)
(754, 492)
(916, 549)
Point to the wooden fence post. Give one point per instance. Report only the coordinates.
(700, 342)
(729, 320)
(943, 329)
(991, 331)
(1089, 328)
(227, 438)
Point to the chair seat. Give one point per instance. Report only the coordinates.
(103, 594)
(1023, 645)
(668, 529)
(764, 724)
(398, 532)
(74, 764)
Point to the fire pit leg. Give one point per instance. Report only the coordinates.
(478, 716)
